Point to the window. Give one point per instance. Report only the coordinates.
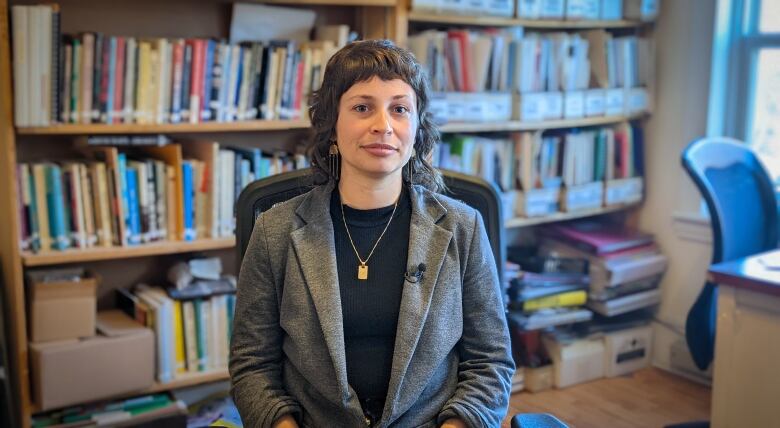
(745, 86)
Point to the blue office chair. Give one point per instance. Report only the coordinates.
(743, 212)
(473, 191)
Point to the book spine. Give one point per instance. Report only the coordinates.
(207, 77)
(58, 66)
(119, 81)
(133, 206)
(217, 76)
(56, 207)
(196, 84)
(185, 82)
(109, 78)
(188, 192)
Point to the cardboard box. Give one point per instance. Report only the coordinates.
(623, 191)
(626, 351)
(575, 361)
(78, 371)
(538, 379)
(583, 197)
(61, 309)
(537, 202)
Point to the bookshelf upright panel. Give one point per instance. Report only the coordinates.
(12, 282)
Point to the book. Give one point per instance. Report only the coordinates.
(568, 298)
(597, 237)
(549, 317)
(623, 304)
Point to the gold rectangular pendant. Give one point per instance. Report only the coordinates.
(362, 272)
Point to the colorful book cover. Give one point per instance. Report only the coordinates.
(58, 225)
(188, 190)
(133, 207)
(178, 332)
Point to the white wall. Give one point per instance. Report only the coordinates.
(683, 35)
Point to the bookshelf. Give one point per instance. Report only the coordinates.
(518, 222)
(200, 18)
(517, 125)
(179, 128)
(48, 258)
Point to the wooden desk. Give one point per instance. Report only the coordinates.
(746, 379)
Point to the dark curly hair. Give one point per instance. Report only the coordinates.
(359, 62)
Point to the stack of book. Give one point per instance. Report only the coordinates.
(192, 334)
(625, 266)
(548, 291)
(139, 194)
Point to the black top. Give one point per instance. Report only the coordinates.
(370, 307)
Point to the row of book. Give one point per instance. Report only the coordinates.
(191, 335)
(461, 60)
(139, 194)
(606, 10)
(100, 78)
(528, 161)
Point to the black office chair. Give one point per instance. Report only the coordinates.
(473, 191)
(743, 212)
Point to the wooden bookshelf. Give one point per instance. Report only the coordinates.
(188, 379)
(112, 253)
(561, 216)
(497, 21)
(167, 128)
(182, 381)
(519, 125)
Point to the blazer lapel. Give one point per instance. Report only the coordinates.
(428, 243)
(315, 248)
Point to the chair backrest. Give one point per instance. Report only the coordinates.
(743, 214)
(265, 193)
(739, 195)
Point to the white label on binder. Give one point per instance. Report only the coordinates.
(574, 104)
(553, 105)
(615, 102)
(595, 102)
(637, 100)
(532, 106)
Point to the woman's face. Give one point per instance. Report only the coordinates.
(376, 127)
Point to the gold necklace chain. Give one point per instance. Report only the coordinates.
(363, 268)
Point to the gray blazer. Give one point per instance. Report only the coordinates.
(452, 353)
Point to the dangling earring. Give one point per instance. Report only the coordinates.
(333, 161)
(411, 165)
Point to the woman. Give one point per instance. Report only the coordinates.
(370, 300)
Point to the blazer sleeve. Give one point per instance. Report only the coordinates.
(256, 355)
(486, 365)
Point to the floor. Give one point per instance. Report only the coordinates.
(648, 398)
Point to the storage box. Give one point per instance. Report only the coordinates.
(637, 100)
(595, 102)
(623, 191)
(626, 351)
(538, 379)
(616, 105)
(530, 106)
(537, 202)
(577, 361)
(61, 309)
(78, 371)
(574, 104)
(584, 197)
